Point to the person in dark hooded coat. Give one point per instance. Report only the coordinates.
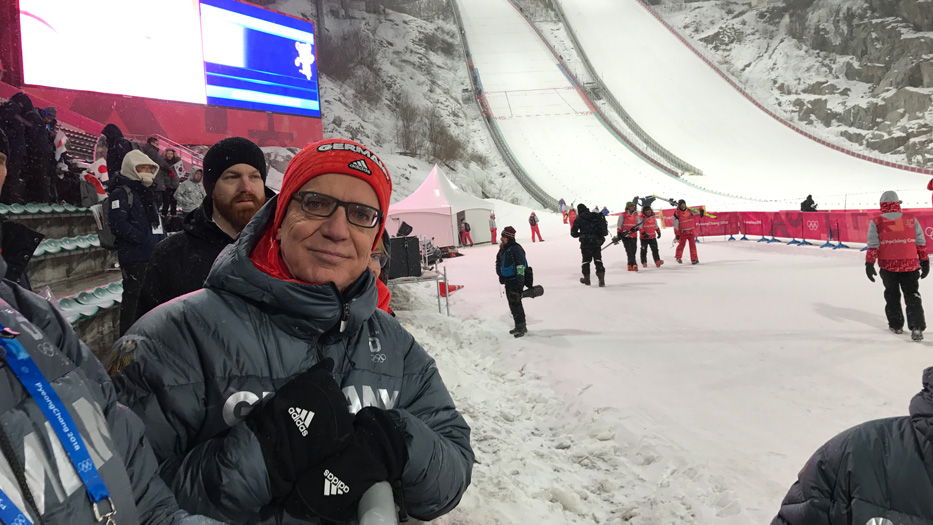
(808, 204)
(877, 473)
(591, 228)
(117, 148)
(17, 242)
(40, 155)
(14, 190)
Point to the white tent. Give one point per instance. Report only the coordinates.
(435, 210)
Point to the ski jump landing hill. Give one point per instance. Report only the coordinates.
(683, 103)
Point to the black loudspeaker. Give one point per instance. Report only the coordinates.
(405, 260)
(404, 230)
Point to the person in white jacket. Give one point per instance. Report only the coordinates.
(190, 193)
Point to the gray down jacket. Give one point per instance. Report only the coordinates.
(877, 473)
(200, 363)
(113, 434)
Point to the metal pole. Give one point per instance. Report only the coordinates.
(447, 298)
(377, 506)
(437, 282)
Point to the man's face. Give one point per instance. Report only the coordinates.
(318, 250)
(154, 144)
(682, 207)
(238, 194)
(198, 175)
(48, 120)
(2, 169)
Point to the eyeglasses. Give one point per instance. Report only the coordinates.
(381, 257)
(320, 205)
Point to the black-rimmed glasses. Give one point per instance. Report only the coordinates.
(320, 205)
(381, 257)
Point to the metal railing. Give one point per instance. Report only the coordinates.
(660, 151)
(536, 192)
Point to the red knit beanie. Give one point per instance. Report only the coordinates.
(508, 232)
(335, 156)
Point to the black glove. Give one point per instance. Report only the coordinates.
(306, 421)
(702, 212)
(676, 237)
(870, 271)
(615, 240)
(659, 233)
(501, 280)
(332, 489)
(924, 269)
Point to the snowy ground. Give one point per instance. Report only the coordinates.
(685, 394)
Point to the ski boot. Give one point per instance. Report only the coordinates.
(916, 335)
(520, 330)
(679, 261)
(634, 267)
(644, 265)
(602, 279)
(585, 280)
(695, 261)
(897, 331)
(658, 264)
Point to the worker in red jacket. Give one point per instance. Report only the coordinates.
(685, 231)
(533, 222)
(930, 185)
(650, 233)
(627, 232)
(896, 241)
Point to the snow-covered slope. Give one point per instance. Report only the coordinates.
(856, 72)
(547, 125)
(421, 61)
(691, 110)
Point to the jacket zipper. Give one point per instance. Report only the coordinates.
(345, 317)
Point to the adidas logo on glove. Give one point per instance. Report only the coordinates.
(333, 486)
(302, 418)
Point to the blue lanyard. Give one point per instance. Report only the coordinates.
(57, 414)
(9, 514)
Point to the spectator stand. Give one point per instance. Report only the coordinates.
(70, 264)
(190, 158)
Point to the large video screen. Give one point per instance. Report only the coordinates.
(218, 52)
(258, 59)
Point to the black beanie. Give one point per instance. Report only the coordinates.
(229, 152)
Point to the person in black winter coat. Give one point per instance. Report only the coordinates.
(510, 267)
(18, 242)
(808, 204)
(136, 226)
(592, 229)
(40, 155)
(180, 264)
(117, 148)
(14, 190)
(876, 473)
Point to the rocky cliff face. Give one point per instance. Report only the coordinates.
(857, 72)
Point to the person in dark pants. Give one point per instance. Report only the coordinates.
(172, 180)
(592, 229)
(136, 225)
(896, 241)
(17, 242)
(650, 233)
(14, 190)
(40, 155)
(510, 266)
(627, 232)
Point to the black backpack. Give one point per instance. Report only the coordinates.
(107, 239)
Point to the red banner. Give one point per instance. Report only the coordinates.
(844, 226)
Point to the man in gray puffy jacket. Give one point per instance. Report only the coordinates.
(877, 473)
(38, 480)
(288, 317)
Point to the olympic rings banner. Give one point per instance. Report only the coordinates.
(845, 226)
